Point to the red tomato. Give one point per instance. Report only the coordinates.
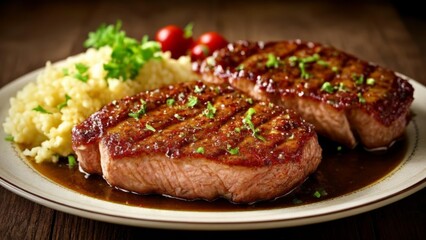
(212, 40)
(172, 38)
(199, 52)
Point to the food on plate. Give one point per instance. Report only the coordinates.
(43, 113)
(344, 97)
(198, 141)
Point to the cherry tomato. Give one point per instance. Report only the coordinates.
(212, 40)
(172, 38)
(199, 52)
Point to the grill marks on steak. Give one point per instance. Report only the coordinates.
(348, 109)
(190, 155)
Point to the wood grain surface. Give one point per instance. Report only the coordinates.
(33, 32)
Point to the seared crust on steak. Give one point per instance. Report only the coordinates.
(210, 141)
(344, 97)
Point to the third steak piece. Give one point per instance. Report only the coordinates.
(347, 99)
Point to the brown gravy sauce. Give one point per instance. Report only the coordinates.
(340, 173)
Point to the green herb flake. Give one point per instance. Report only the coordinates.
(65, 71)
(341, 87)
(303, 73)
(320, 193)
(327, 87)
(128, 55)
(210, 111)
(170, 102)
(335, 69)
(273, 61)
(149, 127)
(359, 79)
(140, 112)
(293, 60)
(192, 101)
(232, 151)
(361, 99)
(200, 150)
(247, 121)
(323, 63)
(317, 194)
(188, 30)
(9, 138)
(65, 103)
(82, 73)
(197, 89)
(240, 67)
(339, 148)
(249, 100)
(72, 162)
(41, 110)
(237, 130)
(370, 81)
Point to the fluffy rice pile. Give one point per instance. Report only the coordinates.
(44, 112)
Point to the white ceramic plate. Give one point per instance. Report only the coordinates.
(410, 177)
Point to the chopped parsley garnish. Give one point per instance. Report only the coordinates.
(370, 81)
(232, 151)
(335, 69)
(128, 55)
(170, 102)
(149, 127)
(65, 103)
(197, 89)
(188, 30)
(192, 101)
(359, 79)
(303, 63)
(65, 71)
(140, 112)
(323, 63)
(327, 87)
(240, 67)
(273, 61)
(320, 193)
(82, 73)
(249, 124)
(9, 138)
(237, 130)
(41, 110)
(71, 161)
(210, 111)
(249, 100)
(361, 99)
(341, 87)
(200, 150)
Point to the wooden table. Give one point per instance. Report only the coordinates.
(33, 33)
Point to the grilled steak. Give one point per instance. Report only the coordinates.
(198, 141)
(344, 97)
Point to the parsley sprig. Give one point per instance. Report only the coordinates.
(250, 125)
(128, 55)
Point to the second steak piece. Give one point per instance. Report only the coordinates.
(344, 97)
(198, 141)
